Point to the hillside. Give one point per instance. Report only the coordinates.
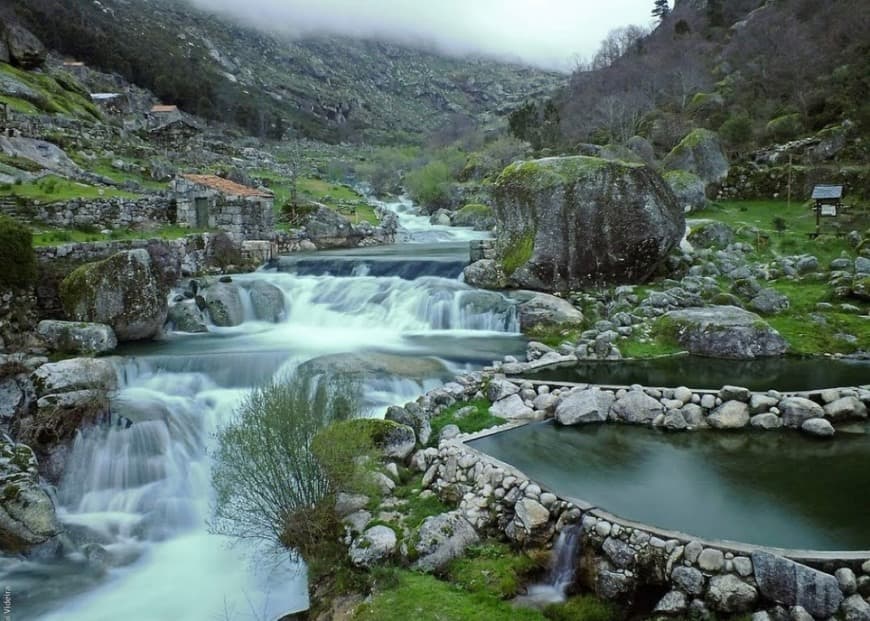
(757, 72)
(326, 88)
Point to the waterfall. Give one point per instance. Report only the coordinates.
(563, 564)
(136, 494)
(564, 560)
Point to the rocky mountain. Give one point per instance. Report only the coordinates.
(323, 87)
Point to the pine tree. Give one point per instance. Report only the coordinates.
(662, 9)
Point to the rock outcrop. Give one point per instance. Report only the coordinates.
(123, 291)
(568, 222)
(542, 309)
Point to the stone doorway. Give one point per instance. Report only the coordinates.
(201, 209)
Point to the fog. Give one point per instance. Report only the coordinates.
(545, 33)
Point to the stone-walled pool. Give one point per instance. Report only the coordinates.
(774, 489)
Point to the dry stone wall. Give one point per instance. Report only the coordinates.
(623, 560)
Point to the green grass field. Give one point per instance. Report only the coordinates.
(54, 189)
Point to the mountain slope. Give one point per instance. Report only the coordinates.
(326, 87)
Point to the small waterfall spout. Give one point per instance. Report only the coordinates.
(564, 560)
(563, 564)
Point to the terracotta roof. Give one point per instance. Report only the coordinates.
(162, 108)
(225, 186)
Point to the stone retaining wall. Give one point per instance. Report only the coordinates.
(108, 213)
(627, 561)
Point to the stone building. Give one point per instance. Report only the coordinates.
(211, 202)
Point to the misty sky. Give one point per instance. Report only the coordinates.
(548, 33)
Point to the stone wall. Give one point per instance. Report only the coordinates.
(109, 213)
(628, 561)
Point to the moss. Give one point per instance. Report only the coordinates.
(518, 253)
(537, 175)
(680, 178)
(16, 254)
(474, 210)
(695, 138)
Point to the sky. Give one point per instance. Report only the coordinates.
(545, 33)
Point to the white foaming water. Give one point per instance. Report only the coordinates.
(563, 564)
(416, 228)
(143, 490)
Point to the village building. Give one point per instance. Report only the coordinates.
(212, 202)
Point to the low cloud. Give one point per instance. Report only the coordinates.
(545, 33)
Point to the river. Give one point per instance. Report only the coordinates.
(143, 491)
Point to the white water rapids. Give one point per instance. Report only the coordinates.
(136, 498)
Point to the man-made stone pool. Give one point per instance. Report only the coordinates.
(775, 489)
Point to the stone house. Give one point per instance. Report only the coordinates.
(212, 202)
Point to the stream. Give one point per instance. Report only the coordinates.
(143, 492)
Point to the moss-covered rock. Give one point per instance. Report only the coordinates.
(700, 153)
(27, 514)
(122, 291)
(721, 332)
(568, 222)
(688, 188)
(479, 217)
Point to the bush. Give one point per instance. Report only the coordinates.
(16, 254)
(785, 128)
(736, 131)
(270, 482)
(430, 185)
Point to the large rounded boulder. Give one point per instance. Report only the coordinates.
(569, 222)
(701, 154)
(123, 291)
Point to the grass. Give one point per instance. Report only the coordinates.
(57, 93)
(56, 237)
(647, 347)
(104, 169)
(54, 189)
(478, 420)
(808, 335)
(417, 509)
(582, 608)
(554, 335)
(337, 197)
(423, 597)
(492, 567)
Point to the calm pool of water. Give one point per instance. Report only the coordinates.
(777, 488)
(785, 374)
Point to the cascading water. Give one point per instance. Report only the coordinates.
(563, 564)
(136, 493)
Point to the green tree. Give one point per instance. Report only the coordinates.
(270, 482)
(661, 9)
